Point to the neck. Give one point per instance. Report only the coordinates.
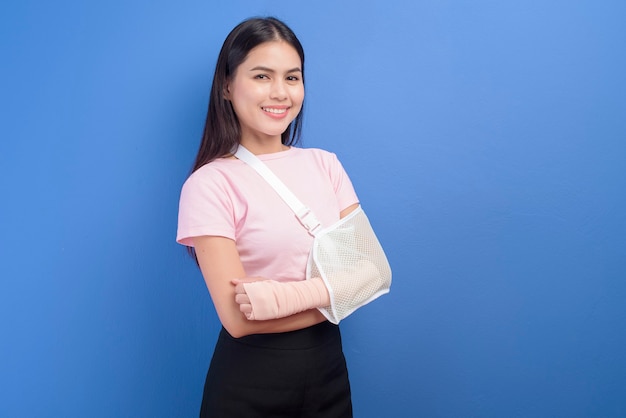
(259, 146)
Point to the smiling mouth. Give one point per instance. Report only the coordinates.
(274, 110)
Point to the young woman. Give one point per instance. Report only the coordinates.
(266, 363)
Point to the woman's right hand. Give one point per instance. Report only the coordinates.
(262, 300)
(241, 296)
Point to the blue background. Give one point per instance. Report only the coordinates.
(486, 140)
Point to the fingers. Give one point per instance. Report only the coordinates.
(246, 309)
(241, 296)
(243, 300)
(240, 289)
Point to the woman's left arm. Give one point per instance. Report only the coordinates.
(263, 299)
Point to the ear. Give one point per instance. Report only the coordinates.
(226, 91)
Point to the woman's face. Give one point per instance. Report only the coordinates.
(267, 91)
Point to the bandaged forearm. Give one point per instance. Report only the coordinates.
(353, 288)
(354, 285)
(271, 299)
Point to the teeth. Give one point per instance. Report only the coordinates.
(272, 110)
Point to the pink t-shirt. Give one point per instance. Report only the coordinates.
(228, 198)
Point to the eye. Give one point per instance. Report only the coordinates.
(293, 78)
(261, 77)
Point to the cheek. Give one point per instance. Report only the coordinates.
(246, 94)
(298, 95)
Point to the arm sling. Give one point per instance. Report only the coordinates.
(346, 255)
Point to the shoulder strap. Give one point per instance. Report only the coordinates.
(305, 215)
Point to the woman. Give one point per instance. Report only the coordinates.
(281, 364)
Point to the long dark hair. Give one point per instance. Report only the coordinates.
(221, 130)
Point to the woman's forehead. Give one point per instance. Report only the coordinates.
(274, 55)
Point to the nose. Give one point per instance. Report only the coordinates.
(279, 90)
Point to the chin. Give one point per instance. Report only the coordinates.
(276, 132)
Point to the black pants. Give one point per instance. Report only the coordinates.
(293, 374)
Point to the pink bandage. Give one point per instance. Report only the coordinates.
(272, 300)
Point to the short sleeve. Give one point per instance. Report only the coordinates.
(205, 207)
(344, 190)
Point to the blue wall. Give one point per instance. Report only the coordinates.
(486, 140)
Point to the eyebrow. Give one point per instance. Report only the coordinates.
(269, 70)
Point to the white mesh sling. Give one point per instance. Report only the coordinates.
(346, 255)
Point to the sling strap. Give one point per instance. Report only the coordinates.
(304, 214)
